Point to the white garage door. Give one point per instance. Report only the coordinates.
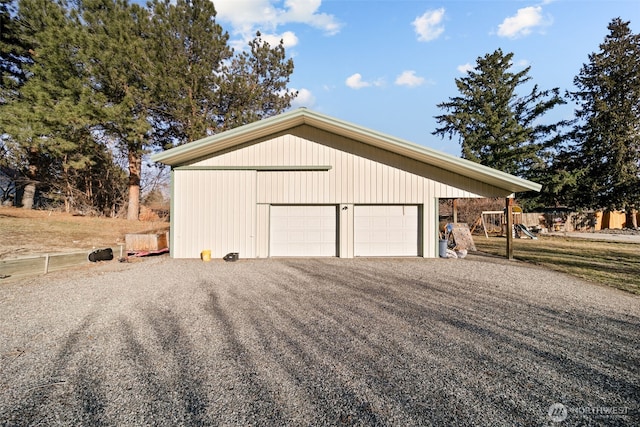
(386, 230)
(303, 231)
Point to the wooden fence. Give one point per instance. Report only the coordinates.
(47, 263)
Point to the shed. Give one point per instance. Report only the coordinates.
(306, 184)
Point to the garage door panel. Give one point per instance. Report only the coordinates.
(303, 231)
(329, 223)
(386, 230)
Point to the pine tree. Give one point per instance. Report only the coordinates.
(202, 86)
(121, 75)
(162, 77)
(49, 118)
(189, 49)
(607, 135)
(13, 52)
(255, 85)
(12, 58)
(110, 77)
(495, 126)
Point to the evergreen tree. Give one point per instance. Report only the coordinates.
(49, 120)
(255, 85)
(122, 76)
(189, 50)
(495, 126)
(203, 87)
(110, 78)
(13, 51)
(162, 77)
(12, 57)
(607, 135)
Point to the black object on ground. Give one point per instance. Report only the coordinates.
(101, 255)
(231, 256)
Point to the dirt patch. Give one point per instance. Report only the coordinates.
(30, 232)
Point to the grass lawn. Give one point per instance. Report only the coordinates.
(609, 263)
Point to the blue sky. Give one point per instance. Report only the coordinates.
(386, 64)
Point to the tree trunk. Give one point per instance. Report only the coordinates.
(135, 171)
(632, 219)
(28, 195)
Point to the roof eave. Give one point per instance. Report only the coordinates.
(427, 155)
(199, 149)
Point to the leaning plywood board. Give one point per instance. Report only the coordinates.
(461, 235)
(145, 242)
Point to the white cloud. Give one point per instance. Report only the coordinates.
(304, 99)
(522, 23)
(523, 63)
(247, 16)
(428, 26)
(465, 68)
(355, 81)
(409, 78)
(306, 12)
(288, 38)
(244, 14)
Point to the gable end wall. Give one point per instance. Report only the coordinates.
(228, 210)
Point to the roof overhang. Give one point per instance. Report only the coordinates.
(205, 147)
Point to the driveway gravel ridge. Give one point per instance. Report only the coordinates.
(479, 341)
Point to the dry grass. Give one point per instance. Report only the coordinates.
(27, 232)
(609, 263)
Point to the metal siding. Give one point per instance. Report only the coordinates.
(430, 231)
(214, 210)
(172, 216)
(352, 179)
(262, 230)
(406, 156)
(345, 231)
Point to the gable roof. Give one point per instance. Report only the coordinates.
(263, 128)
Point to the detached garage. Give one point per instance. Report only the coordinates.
(306, 184)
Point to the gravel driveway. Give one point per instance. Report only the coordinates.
(478, 341)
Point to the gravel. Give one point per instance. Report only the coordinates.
(623, 231)
(474, 341)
